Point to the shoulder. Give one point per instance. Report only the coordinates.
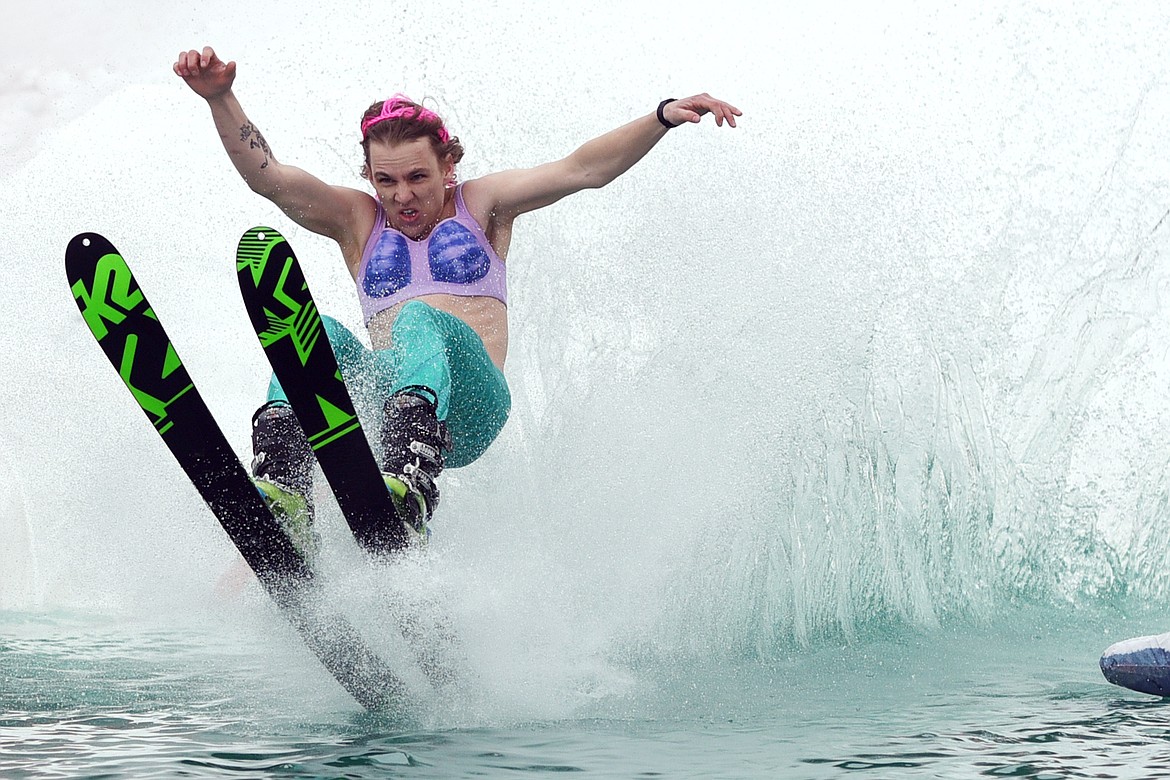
(358, 202)
(480, 199)
(341, 213)
(359, 208)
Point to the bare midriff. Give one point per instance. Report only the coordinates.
(488, 317)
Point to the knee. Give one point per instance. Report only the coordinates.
(336, 332)
(345, 345)
(413, 316)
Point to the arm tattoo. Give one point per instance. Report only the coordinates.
(249, 133)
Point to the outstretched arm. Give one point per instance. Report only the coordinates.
(597, 162)
(307, 200)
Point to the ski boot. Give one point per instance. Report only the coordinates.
(413, 443)
(282, 470)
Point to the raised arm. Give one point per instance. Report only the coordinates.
(596, 163)
(308, 201)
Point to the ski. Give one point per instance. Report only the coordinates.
(289, 327)
(132, 337)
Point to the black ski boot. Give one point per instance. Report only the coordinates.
(282, 469)
(413, 443)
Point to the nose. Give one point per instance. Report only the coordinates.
(402, 193)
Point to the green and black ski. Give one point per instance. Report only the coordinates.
(134, 340)
(290, 330)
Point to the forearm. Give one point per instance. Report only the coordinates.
(608, 156)
(245, 146)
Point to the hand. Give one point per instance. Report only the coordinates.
(205, 73)
(692, 108)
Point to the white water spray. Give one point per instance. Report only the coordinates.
(888, 354)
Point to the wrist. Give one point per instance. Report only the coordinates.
(220, 100)
(662, 117)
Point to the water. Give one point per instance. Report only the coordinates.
(117, 699)
(838, 441)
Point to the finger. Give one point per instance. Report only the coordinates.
(189, 62)
(208, 56)
(724, 112)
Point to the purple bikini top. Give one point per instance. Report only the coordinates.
(456, 259)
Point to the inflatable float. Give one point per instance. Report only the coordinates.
(1140, 664)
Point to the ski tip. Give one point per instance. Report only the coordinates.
(83, 252)
(255, 246)
(262, 234)
(89, 243)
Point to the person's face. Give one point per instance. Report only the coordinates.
(410, 180)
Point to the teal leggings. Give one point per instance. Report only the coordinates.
(431, 349)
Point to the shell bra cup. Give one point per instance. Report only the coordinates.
(456, 259)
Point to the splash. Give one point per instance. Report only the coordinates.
(884, 359)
